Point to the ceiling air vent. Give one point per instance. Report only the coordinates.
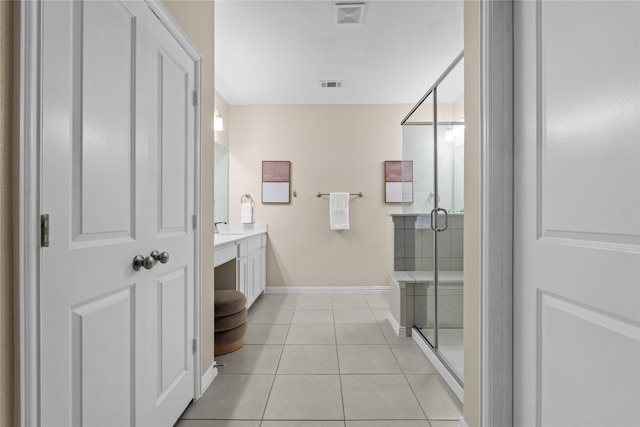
(331, 83)
(349, 13)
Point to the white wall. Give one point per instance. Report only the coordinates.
(331, 148)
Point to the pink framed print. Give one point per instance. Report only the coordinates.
(276, 181)
(398, 180)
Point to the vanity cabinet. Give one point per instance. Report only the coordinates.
(251, 267)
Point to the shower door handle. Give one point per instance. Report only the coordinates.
(434, 218)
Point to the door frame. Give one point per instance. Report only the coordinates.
(496, 213)
(28, 177)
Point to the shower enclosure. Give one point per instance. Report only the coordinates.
(433, 140)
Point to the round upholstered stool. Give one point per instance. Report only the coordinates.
(230, 321)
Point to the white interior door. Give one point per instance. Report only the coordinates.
(577, 213)
(116, 342)
(171, 189)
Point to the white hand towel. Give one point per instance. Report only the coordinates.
(246, 213)
(339, 211)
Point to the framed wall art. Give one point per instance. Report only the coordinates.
(276, 181)
(398, 180)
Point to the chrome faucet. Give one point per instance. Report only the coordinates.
(215, 226)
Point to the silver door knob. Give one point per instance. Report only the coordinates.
(162, 257)
(139, 261)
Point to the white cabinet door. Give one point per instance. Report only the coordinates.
(253, 278)
(577, 210)
(111, 334)
(243, 274)
(262, 285)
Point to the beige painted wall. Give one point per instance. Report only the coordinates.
(331, 148)
(196, 17)
(472, 248)
(6, 212)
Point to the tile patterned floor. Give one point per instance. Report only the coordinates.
(324, 361)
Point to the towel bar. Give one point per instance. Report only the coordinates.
(351, 194)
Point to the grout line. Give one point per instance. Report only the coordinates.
(275, 375)
(335, 336)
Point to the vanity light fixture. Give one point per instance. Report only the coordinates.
(218, 123)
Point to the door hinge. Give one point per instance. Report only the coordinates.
(44, 230)
(195, 345)
(195, 222)
(195, 98)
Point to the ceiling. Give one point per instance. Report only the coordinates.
(277, 52)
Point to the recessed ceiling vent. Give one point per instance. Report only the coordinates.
(331, 83)
(349, 13)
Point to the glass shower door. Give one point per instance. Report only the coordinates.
(434, 140)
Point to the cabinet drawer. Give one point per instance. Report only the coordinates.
(222, 255)
(242, 249)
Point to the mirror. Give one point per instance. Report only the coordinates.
(221, 184)
(417, 145)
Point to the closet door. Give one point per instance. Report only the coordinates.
(117, 183)
(170, 321)
(93, 172)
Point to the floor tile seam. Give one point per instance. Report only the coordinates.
(415, 396)
(303, 419)
(247, 374)
(266, 403)
(255, 420)
(316, 374)
(275, 374)
(401, 368)
(335, 334)
(359, 374)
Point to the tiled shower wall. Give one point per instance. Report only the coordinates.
(413, 248)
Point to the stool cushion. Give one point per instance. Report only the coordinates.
(228, 302)
(228, 341)
(224, 323)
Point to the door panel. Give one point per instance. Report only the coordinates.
(173, 105)
(173, 322)
(588, 119)
(576, 206)
(567, 358)
(102, 358)
(104, 80)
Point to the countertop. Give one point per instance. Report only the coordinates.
(233, 233)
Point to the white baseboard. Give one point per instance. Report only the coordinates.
(462, 422)
(326, 290)
(208, 378)
(400, 331)
(442, 370)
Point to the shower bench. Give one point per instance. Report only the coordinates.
(405, 287)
